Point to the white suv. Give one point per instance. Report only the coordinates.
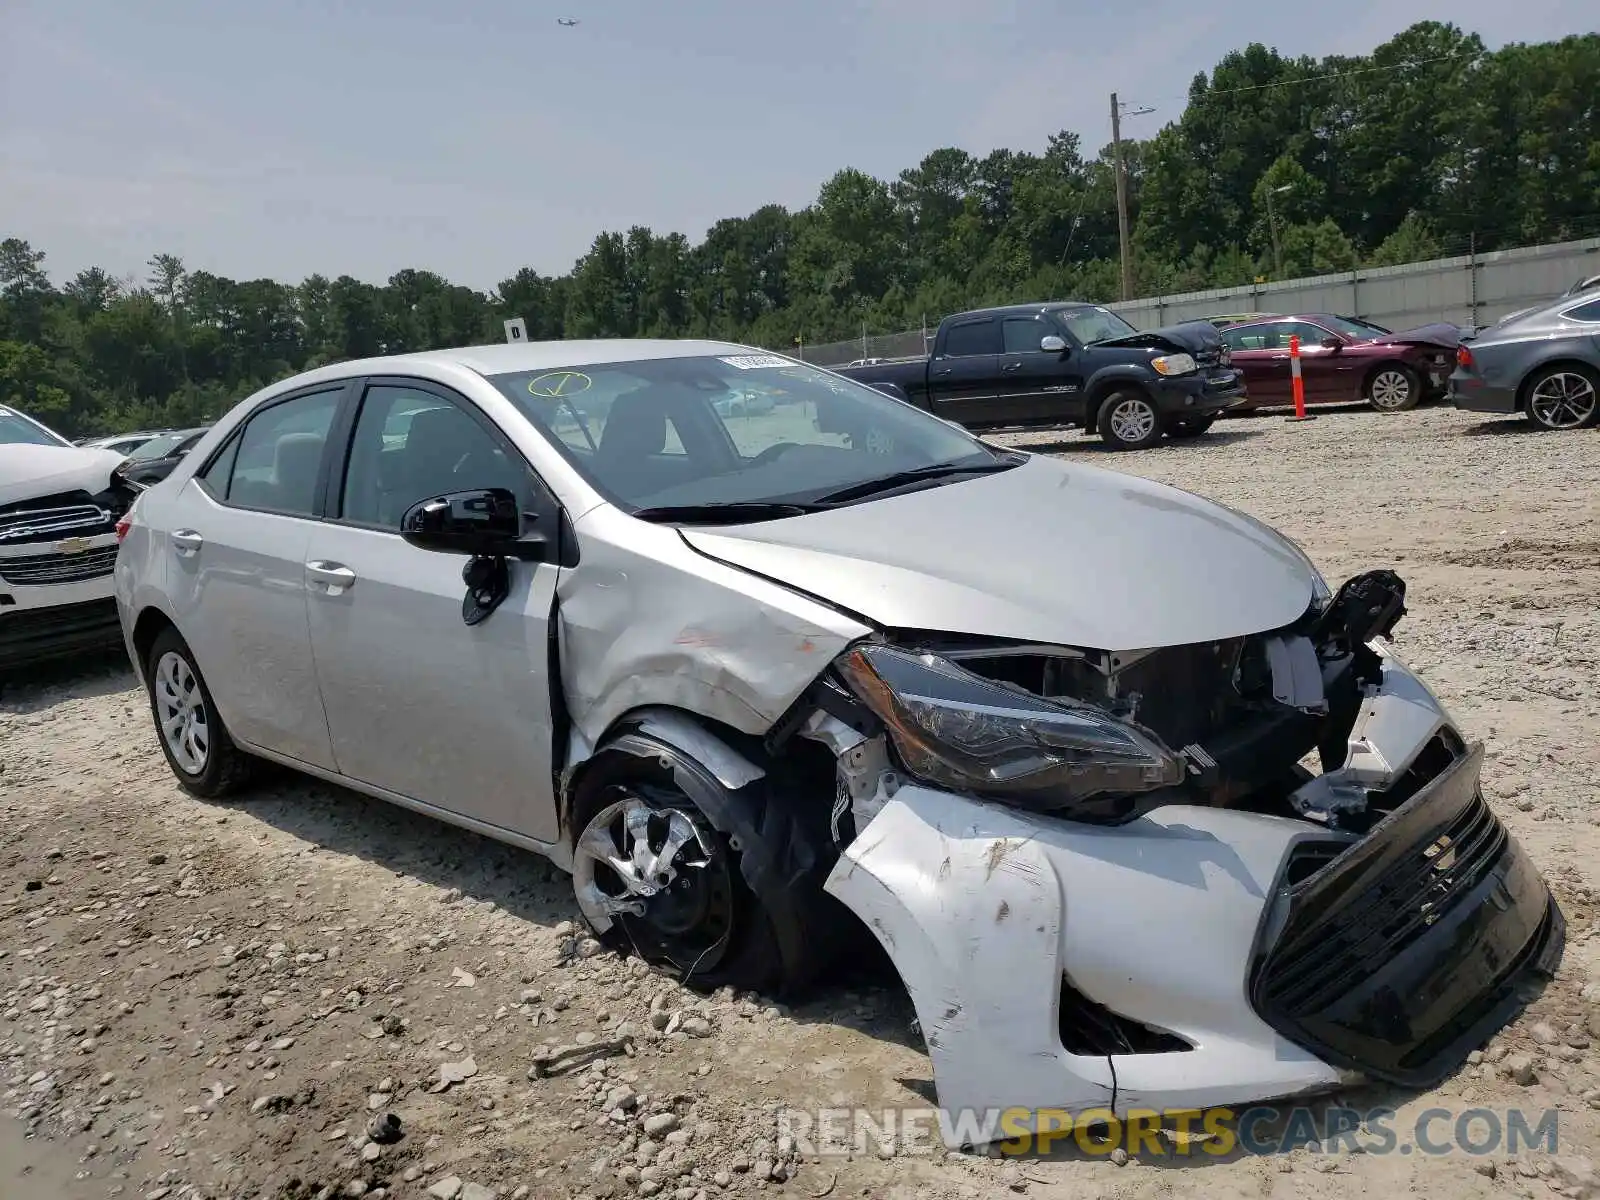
(59, 506)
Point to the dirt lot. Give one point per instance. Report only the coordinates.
(213, 1000)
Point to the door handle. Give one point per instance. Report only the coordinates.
(1011, 367)
(186, 542)
(943, 371)
(334, 576)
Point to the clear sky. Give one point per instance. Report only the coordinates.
(472, 137)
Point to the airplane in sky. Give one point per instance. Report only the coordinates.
(569, 22)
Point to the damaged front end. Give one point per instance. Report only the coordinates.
(1119, 880)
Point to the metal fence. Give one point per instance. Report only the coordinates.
(1470, 290)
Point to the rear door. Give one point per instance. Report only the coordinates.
(420, 703)
(1261, 355)
(1036, 385)
(238, 543)
(963, 376)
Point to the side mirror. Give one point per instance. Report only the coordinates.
(1332, 343)
(482, 524)
(1052, 344)
(889, 389)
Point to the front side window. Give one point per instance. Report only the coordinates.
(1022, 335)
(733, 429)
(412, 445)
(1311, 336)
(276, 459)
(18, 430)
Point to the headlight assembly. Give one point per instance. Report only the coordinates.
(1173, 364)
(958, 730)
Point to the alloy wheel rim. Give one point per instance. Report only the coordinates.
(1132, 420)
(181, 713)
(655, 870)
(1564, 400)
(1390, 389)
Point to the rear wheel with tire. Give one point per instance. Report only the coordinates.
(1128, 420)
(713, 907)
(191, 732)
(1563, 397)
(1189, 427)
(1394, 387)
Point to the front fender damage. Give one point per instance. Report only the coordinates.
(1057, 964)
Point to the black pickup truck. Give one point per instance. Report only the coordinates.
(1067, 364)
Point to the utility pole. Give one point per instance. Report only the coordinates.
(1122, 191)
(1122, 199)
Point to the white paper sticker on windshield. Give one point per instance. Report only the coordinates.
(747, 362)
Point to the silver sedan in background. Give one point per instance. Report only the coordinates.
(772, 682)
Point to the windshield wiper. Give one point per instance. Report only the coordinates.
(728, 512)
(887, 483)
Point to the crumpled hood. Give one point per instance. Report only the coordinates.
(29, 471)
(1045, 552)
(1439, 334)
(1195, 337)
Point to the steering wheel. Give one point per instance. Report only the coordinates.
(772, 452)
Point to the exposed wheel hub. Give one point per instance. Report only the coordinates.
(652, 869)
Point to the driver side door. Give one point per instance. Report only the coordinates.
(452, 717)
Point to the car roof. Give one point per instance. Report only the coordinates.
(1017, 310)
(507, 358)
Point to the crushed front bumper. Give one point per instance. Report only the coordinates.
(1198, 956)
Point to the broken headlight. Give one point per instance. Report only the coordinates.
(958, 730)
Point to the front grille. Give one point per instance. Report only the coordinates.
(1088, 1027)
(1398, 954)
(46, 524)
(1386, 920)
(36, 569)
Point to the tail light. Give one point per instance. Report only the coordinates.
(125, 521)
(1463, 358)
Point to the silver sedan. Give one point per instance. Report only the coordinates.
(771, 682)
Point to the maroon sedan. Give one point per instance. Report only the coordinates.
(1342, 361)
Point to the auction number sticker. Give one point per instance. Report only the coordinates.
(749, 362)
(554, 384)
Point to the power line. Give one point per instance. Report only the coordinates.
(1209, 92)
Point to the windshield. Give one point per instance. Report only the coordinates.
(735, 429)
(18, 430)
(1360, 330)
(1093, 324)
(160, 446)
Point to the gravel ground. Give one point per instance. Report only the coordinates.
(216, 1000)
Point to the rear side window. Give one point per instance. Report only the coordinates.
(1584, 312)
(274, 462)
(1246, 337)
(978, 337)
(215, 477)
